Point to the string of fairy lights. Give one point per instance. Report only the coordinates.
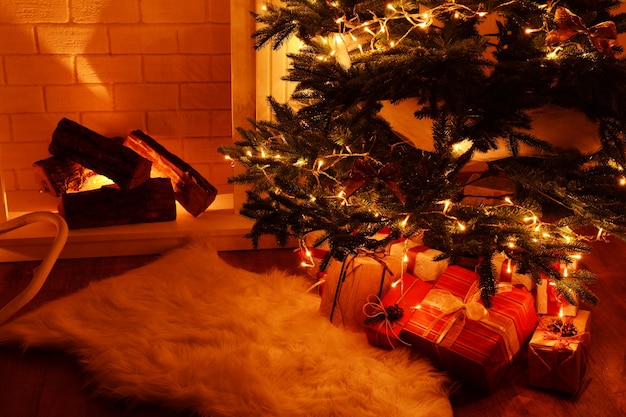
(357, 36)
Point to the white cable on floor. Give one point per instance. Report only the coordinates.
(41, 272)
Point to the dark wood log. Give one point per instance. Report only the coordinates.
(106, 156)
(152, 201)
(58, 176)
(191, 189)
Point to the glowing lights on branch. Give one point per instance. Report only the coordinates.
(378, 27)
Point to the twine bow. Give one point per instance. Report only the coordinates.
(375, 311)
(362, 173)
(602, 36)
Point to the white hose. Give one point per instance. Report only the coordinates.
(41, 273)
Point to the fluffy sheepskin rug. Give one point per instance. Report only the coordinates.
(191, 332)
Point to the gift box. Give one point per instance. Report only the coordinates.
(550, 302)
(387, 316)
(421, 264)
(487, 188)
(557, 356)
(507, 272)
(349, 285)
(451, 325)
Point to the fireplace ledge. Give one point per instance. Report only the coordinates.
(220, 224)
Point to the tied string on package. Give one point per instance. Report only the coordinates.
(348, 267)
(566, 340)
(563, 333)
(470, 308)
(376, 312)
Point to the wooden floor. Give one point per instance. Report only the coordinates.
(40, 383)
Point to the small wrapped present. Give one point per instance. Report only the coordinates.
(507, 272)
(462, 336)
(558, 353)
(489, 188)
(387, 316)
(549, 301)
(350, 283)
(421, 263)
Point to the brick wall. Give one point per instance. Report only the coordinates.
(114, 66)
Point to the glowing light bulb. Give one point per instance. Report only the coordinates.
(390, 7)
(508, 266)
(446, 206)
(405, 221)
(461, 226)
(508, 200)
(622, 181)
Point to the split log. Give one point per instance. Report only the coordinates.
(191, 189)
(58, 176)
(103, 155)
(152, 201)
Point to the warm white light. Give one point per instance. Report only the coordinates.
(461, 226)
(405, 221)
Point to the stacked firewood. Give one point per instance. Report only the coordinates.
(135, 194)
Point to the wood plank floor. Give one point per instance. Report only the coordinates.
(39, 383)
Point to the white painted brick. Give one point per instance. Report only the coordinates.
(218, 11)
(205, 95)
(143, 39)
(221, 123)
(177, 68)
(19, 156)
(220, 68)
(5, 128)
(26, 179)
(37, 126)
(179, 123)
(8, 178)
(73, 39)
(15, 99)
(105, 11)
(83, 97)
(108, 68)
(168, 11)
(211, 38)
(39, 69)
(22, 39)
(34, 11)
(146, 96)
(112, 124)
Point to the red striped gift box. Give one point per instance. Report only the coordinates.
(406, 294)
(474, 344)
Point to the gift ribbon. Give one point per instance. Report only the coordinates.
(602, 36)
(362, 173)
(471, 308)
(374, 309)
(343, 274)
(562, 344)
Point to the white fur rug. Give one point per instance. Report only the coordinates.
(191, 332)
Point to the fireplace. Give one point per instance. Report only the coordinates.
(139, 65)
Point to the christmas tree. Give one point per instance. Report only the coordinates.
(477, 76)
